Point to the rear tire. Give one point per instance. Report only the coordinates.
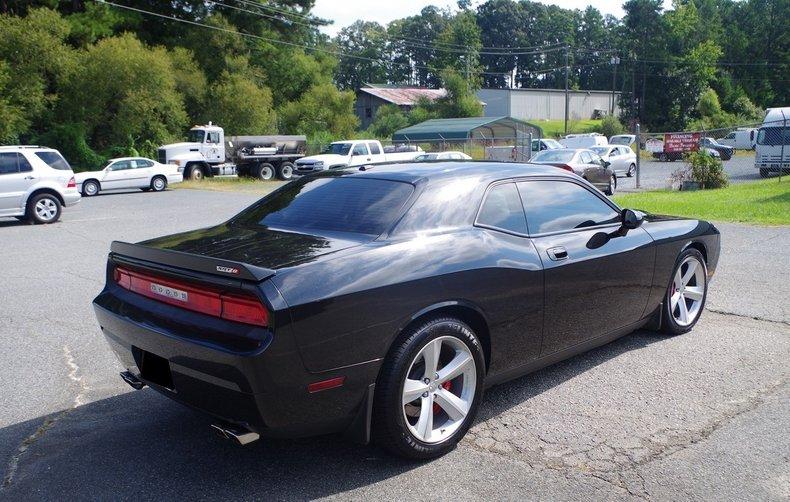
(663, 157)
(764, 173)
(612, 186)
(407, 428)
(631, 170)
(44, 208)
(686, 293)
(285, 171)
(263, 171)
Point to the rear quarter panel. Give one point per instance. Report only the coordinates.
(349, 310)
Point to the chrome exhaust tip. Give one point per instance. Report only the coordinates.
(238, 434)
(132, 380)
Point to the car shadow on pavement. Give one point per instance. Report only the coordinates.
(140, 445)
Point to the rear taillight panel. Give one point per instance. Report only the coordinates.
(72, 183)
(209, 300)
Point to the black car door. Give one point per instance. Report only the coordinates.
(595, 280)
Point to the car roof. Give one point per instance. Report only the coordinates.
(130, 158)
(34, 148)
(436, 171)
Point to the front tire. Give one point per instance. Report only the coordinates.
(428, 389)
(686, 293)
(764, 173)
(196, 174)
(90, 188)
(44, 208)
(612, 186)
(158, 183)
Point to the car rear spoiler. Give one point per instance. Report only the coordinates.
(197, 263)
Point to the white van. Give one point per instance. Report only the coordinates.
(584, 140)
(740, 139)
(773, 142)
(623, 139)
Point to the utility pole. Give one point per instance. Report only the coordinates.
(615, 61)
(567, 96)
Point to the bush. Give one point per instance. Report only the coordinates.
(610, 126)
(706, 170)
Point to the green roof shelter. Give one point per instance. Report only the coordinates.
(470, 128)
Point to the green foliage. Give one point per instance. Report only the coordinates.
(13, 116)
(389, 118)
(610, 126)
(70, 140)
(321, 108)
(132, 98)
(706, 170)
(241, 106)
(708, 104)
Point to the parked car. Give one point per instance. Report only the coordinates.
(35, 183)
(622, 159)
(740, 139)
(424, 157)
(355, 153)
(585, 163)
(725, 152)
(384, 301)
(129, 173)
(623, 139)
(583, 140)
(538, 145)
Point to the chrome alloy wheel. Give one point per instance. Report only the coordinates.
(688, 291)
(159, 184)
(46, 209)
(439, 389)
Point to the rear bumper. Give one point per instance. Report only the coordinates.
(261, 386)
(71, 198)
(175, 178)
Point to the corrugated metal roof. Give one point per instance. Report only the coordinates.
(463, 128)
(404, 96)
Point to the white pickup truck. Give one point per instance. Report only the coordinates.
(355, 153)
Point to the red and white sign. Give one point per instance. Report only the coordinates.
(681, 142)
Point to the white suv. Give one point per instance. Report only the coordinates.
(35, 183)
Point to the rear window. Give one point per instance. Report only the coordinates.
(330, 204)
(554, 156)
(54, 160)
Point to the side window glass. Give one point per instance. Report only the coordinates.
(585, 157)
(8, 163)
(502, 209)
(360, 149)
(24, 164)
(121, 165)
(374, 148)
(553, 206)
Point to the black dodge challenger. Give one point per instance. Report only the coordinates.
(382, 301)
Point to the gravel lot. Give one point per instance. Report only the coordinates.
(655, 174)
(704, 416)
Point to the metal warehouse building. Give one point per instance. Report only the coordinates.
(546, 104)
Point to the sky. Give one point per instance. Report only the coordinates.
(345, 12)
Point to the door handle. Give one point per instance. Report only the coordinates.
(558, 253)
(30, 177)
(368, 159)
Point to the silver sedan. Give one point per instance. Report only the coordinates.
(585, 163)
(621, 158)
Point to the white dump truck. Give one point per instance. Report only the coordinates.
(207, 152)
(355, 153)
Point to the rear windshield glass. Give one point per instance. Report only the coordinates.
(330, 204)
(554, 156)
(54, 160)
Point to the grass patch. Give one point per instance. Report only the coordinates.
(247, 185)
(766, 202)
(556, 128)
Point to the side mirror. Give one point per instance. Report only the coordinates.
(631, 219)
(605, 163)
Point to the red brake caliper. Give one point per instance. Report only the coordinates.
(445, 386)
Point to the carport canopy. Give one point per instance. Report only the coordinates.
(490, 128)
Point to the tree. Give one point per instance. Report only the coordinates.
(460, 100)
(367, 41)
(240, 106)
(389, 118)
(132, 101)
(321, 109)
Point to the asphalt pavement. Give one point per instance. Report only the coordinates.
(702, 416)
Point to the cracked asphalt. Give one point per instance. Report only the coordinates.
(703, 416)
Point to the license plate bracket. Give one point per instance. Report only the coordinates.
(153, 368)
